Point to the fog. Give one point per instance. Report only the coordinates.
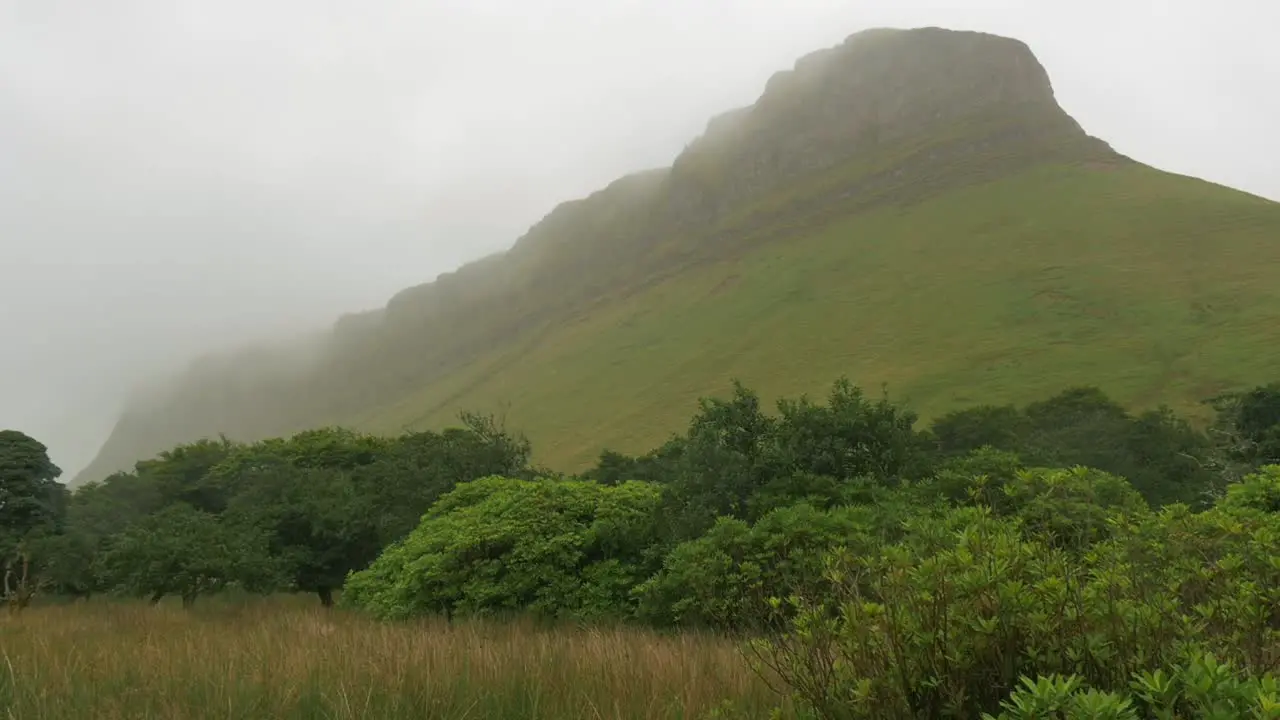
(177, 176)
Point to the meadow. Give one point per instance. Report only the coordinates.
(284, 657)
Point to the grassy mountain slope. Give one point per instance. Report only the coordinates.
(911, 207)
(1160, 288)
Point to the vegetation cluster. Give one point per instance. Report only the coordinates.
(1066, 558)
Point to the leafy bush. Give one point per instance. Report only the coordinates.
(724, 578)
(947, 627)
(1068, 507)
(1164, 458)
(1259, 491)
(1201, 687)
(564, 548)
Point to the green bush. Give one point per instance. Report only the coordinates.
(724, 578)
(1260, 491)
(946, 623)
(1201, 687)
(561, 548)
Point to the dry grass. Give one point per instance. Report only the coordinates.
(285, 659)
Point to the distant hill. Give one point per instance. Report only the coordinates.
(911, 207)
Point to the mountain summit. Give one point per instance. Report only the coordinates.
(907, 105)
(911, 207)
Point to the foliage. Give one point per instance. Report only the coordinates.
(850, 436)
(876, 570)
(1071, 508)
(31, 499)
(1247, 429)
(182, 474)
(561, 548)
(187, 552)
(724, 578)
(418, 468)
(736, 461)
(32, 510)
(948, 628)
(1200, 687)
(324, 501)
(319, 523)
(1159, 453)
(1258, 491)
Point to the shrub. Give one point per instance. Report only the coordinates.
(724, 578)
(563, 548)
(945, 624)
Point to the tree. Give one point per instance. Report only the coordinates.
(418, 468)
(32, 505)
(724, 459)
(851, 436)
(31, 498)
(962, 431)
(736, 461)
(179, 474)
(187, 552)
(319, 525)
(1247, 429)
(1164, 458)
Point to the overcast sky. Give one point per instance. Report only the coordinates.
(176, 175)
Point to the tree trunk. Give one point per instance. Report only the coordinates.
(326, 596)
(155, 598)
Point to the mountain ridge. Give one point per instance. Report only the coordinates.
(887, 119)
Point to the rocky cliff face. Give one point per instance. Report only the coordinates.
(901, 103)
(887, 116)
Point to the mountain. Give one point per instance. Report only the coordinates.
(911, 207)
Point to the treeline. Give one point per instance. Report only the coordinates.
(885, 570)
(281, 514)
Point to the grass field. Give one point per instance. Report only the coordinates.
(285, 659)
(1157, 287)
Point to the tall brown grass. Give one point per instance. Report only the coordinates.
(281, 658)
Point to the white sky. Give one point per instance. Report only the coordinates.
(179, 175)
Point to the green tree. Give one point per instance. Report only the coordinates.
(31, 498)
(1247, 429)
(32, 507)
(725, 458)
(1164, 458)
(962, 431)
(184, 551)
(850, 436)
(418, 468)
(319, 524)
(180, 474)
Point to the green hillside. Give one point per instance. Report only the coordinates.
(1158, 287)
(911, 208)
